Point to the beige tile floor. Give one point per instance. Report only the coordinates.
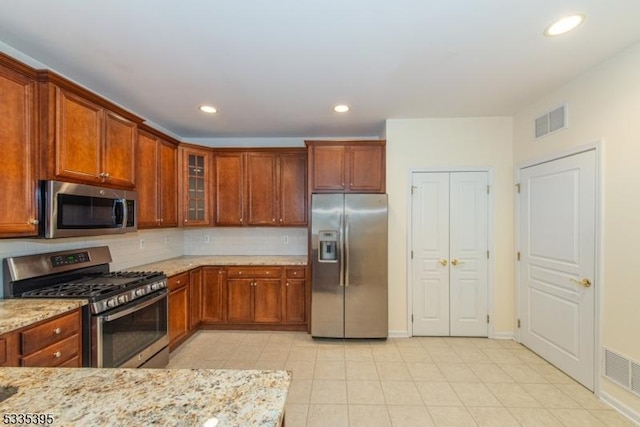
(405, 381)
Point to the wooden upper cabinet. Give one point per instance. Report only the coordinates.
(261, 188)
(229, 189)
(262, 208)
(156, 162)
(292, 185)
(347, 166)
(119, 158)
(194, 183)
(18, 174)
(85, 138)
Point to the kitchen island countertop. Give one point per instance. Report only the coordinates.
(18, 313)
(185, 263)
(126, 397)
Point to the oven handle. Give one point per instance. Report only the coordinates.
(114, 316)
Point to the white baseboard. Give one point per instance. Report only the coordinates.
(621, 407)
(502, 336)
(399, 334)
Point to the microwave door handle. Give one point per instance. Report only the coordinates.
(120, 217)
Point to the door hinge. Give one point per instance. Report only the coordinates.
(518, 187)
(412, 318)
(413, 187)
(518, 323)
(518, 256)
(488, 189)
(487, 254)
(411, 254)
(487, 318)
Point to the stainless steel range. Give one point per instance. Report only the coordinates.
(125, 323)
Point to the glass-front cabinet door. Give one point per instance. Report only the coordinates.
(196, 175)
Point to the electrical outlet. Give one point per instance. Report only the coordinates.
(141, 243)
(285, 240)
(206, 238)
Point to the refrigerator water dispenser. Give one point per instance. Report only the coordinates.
(328, 246)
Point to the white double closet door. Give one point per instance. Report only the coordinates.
(449, 240)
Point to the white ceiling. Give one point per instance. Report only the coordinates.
(275, 68)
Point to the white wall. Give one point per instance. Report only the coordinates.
(245, 241)
(414, 144)
(604, 104)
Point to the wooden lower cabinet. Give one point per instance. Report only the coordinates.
(179, 315)
(55, 342)
(195, 298)
(214, 281)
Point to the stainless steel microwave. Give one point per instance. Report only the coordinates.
(70, 210)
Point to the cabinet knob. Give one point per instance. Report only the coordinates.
(241, 220)
(177, 282)
(57, 354)
(280, 220)
(273, 220)
(57, 331)
(33, 222)
(287, 283)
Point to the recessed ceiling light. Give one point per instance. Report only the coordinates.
(208, 109)
(341, 108)
(564, 25)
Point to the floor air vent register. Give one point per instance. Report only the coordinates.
(622, 371)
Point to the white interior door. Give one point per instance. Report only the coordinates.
(557, 264)
(449, 242)
(468, 253)
(430, 242)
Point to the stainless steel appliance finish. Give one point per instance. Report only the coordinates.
(349, 265)
(125, 323)
(70, 210)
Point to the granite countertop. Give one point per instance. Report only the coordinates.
(185, 263)
(18, 313)
(126, 397)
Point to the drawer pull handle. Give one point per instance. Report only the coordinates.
(57, 331)
(57, 354)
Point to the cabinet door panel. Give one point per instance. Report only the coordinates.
(195, 298)
(213, 298)
(293, 189)
(295, 301)
(17, 138)
(119, 150)
(229, 189)
(78, 137)
(146, 182)
(195, 176)
(239, 304)
(168, 181)
(365, 168)
(328, 168)
(178, 314)
(261, 189)
(267, 301)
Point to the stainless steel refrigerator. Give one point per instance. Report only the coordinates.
(349, 265)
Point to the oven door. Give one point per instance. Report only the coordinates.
(134, 335)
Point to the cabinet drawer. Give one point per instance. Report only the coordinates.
(295, 272)
(178, 281)
(3, 351)
(49, 332)
(54, 355)
(239, 272)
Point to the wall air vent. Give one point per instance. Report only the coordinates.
(622, 371)
(551, 121)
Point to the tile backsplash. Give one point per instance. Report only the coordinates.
(146, 246)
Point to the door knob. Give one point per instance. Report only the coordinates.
(443, 262)
(456, 262)
(584, 282)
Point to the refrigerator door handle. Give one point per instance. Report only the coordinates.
(346, 250)
(340, 248)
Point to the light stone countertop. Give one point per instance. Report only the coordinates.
(136, 397)
(181, 264)
(18, 313)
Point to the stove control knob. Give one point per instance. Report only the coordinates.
(139, 292)
(122, 299)
(111, 302)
